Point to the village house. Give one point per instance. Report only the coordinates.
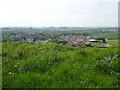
(75, 40)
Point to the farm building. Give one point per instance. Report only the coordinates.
(93, 40)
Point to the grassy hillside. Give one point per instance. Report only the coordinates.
(59, 66)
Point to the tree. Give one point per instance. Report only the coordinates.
(104, 41)
(86, 34)
(54, 40)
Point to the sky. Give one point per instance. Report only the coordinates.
(47, 13)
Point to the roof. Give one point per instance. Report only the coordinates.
(93, 40)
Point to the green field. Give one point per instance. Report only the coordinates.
(58, 66)
(110, 36)
(113, 42)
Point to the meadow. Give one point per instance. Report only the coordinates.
(52, 65)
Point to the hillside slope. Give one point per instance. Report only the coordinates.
(59, 66)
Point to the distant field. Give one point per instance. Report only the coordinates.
(111, 36)
(114, 43)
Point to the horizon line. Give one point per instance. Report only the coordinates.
(53, 26)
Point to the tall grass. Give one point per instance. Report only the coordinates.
(58, 66)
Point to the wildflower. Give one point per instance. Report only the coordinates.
(15, 65)
(10, 73)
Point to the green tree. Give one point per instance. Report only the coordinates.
(104, 41)
(54, 40)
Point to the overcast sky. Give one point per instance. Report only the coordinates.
(36, 13)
